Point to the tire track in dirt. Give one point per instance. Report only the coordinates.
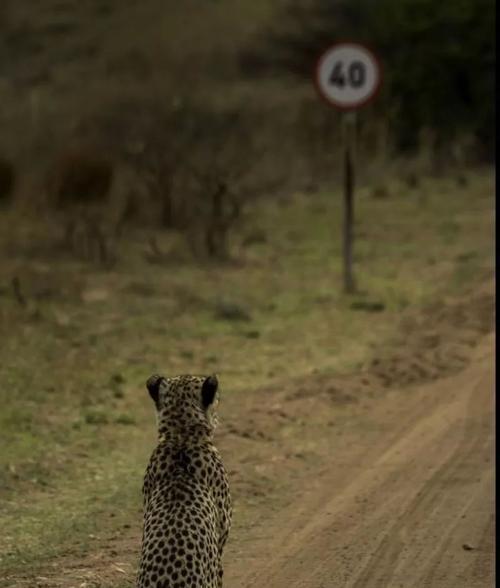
(400, 521)
(430, 501)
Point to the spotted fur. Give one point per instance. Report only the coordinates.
(187, 505)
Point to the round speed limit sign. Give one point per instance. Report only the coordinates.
(348, 75)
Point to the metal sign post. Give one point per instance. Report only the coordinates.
(347, 76)
(349, 141)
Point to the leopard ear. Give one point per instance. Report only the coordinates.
(208, 390)
(153, 386)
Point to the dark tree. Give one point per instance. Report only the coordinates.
(438, 58)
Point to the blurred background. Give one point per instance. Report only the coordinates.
(171, 200)
(179, 99)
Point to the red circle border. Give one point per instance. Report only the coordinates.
(369, 98)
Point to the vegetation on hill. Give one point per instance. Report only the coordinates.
(438, 59)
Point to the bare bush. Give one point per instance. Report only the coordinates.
(214, 178)
(191, 168)
(7, 180)
(194, 162)
(77, 187)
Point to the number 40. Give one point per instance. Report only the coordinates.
(356, 74)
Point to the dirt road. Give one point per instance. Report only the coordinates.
(407, 498)
(379, 478)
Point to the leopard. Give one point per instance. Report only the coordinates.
(186, 499)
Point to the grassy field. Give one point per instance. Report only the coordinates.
(76, 425)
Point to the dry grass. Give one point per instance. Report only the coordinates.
(76, 426)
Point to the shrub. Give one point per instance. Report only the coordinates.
(7, 180)
(78, 185)
(79, 178)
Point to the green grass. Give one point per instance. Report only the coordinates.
(76, 425)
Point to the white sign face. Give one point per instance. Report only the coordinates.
(347, 75)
